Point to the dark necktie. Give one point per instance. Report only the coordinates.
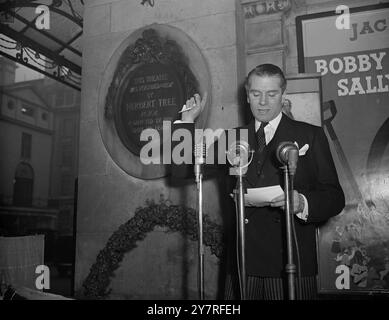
(261, 136)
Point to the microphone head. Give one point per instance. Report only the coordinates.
(200, 153)
(283, 151)
(238, 153)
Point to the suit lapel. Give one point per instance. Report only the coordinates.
(283, 132)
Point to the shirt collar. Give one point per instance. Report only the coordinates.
(273, 123)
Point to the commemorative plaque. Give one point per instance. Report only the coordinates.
(151, 83)
(146, 82)
(151, 94)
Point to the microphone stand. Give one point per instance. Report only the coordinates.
(239, 170)
(290, 267)
(240, 191)
(199, 161)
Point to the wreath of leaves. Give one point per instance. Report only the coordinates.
(176, 218)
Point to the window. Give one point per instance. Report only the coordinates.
(67, 154)
(27, 111)
(26, 145)
(11, 105)
(66, 184)
(69, 98)
(44, 116)
(78, 97)
(59, 98)
(23, 185)
(67, 128)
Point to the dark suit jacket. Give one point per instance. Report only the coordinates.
(315, 178)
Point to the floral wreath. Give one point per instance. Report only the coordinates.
(176, 218)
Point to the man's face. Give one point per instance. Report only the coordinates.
(265, 97)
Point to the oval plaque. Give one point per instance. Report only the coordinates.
(149, 95)
(146, 82)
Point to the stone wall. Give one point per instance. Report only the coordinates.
(164, 265)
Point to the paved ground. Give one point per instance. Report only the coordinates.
(60, 283)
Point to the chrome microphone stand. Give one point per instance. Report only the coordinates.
(199, 161)
(290, 266)
(239, 167)
(240, 192)
(288, 153)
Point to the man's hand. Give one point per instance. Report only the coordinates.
(298, 202)
(196, 106)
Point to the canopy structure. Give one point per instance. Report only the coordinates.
(44, 35)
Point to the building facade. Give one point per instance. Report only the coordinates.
(39, 151)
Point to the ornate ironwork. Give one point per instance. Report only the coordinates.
(20, 48)
(33, 59)
(148, 2)
(11, 6)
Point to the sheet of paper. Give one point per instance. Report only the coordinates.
(259, 197)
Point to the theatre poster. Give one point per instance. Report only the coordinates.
(350, 49)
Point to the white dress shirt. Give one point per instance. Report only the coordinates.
(270, 131)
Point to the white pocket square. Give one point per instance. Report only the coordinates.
(303, 150)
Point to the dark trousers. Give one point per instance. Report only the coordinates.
(264, 288)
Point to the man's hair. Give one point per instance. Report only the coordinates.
(266, 70)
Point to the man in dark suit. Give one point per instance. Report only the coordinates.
(317, 194)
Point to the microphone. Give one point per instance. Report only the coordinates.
(199, 155)
(288, 154)
(238, 155)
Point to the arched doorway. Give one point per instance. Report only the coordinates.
(23, 185)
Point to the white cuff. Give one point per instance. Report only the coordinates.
(304, 214)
